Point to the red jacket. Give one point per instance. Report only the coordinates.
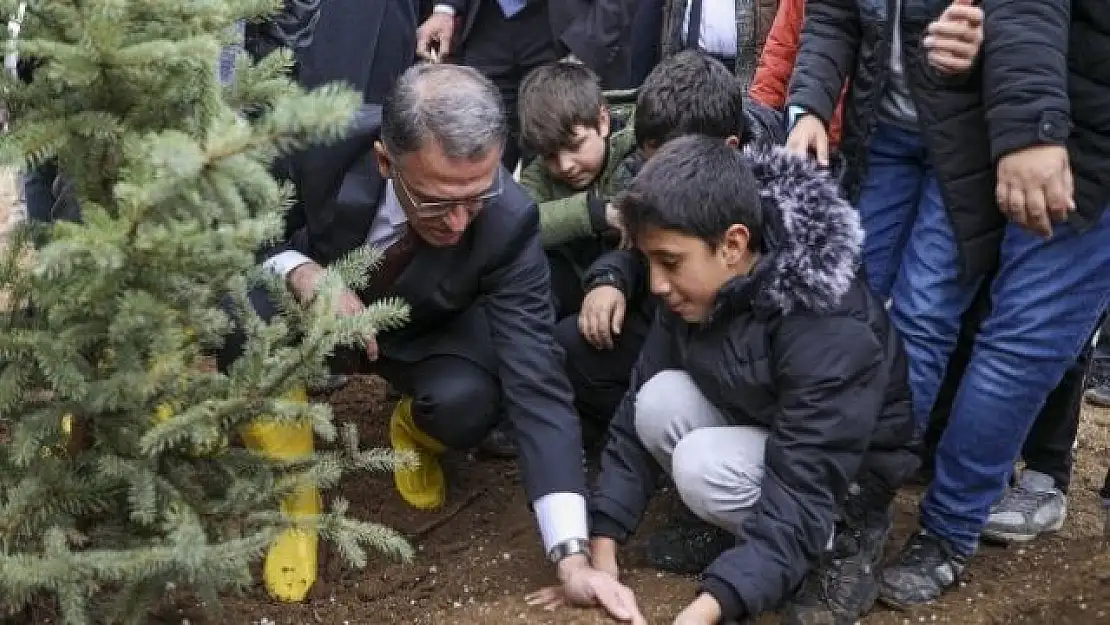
(776, 64)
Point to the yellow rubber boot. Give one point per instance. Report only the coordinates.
(421, 485)
(290, 567)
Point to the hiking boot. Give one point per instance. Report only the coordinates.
(926, 568)
(844, 586)
(1098, 395)
(687, 548)
(1032, 507)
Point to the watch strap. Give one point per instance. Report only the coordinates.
(568, 548)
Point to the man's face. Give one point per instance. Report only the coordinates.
(581, 161)
(441, 195)
(687, 273)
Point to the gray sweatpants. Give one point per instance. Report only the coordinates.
(717, 467)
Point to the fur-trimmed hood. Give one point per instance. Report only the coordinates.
(812, 239)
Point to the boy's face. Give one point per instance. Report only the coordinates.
(687, 273)
(581, 161)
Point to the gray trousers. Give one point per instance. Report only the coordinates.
(717, 467)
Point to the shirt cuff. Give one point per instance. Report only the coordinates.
(445, 9)
(561, 517)
(285, 262)
(792, 115)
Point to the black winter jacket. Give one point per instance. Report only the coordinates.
(799, 347)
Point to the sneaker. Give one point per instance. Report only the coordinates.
(688, 548)
(1098, 395)
(926, 568)
(1032, 507)
(845, 585)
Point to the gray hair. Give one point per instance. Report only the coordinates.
(455, 106)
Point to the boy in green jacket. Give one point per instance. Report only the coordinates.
(566, 121)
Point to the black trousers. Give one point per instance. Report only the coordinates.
(505, 50)
(599, 377)
(454, 400)
(1049, 447)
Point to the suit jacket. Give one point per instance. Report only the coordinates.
(366, 44)
(487, 299)
(595, 31)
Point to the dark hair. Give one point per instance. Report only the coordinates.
(696, 185)
(689, 93)
(554, 99)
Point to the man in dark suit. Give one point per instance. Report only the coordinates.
(421, 181)
(364, 44)
(506, 39)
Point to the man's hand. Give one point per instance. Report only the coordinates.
(433, 38)
(304, 280)
(1035, 187)
(602, 316)
(809, 138)
(585, 586)
(952, 41)
(703, 611)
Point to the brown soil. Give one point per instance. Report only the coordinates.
(475, 566)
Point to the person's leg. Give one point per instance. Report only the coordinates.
(566, 285)
(599, 377)
(1047, 298)
(946, 394)
(669, 408)
(929, 300)
(888, 201)
(38, 192)
(1099, 392)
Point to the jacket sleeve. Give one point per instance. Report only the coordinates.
(826, 57)
(576, 216)
(1025, 73)
(625, 266)
(334, 180)
(516, 294)
(776, 63)
(831, 389)
(628, 473)
(460, 6)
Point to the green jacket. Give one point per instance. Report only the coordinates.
(565, 214)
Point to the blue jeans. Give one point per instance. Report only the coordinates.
(899, 184)
(1047, 298)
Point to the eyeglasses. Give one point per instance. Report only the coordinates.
(436, 209)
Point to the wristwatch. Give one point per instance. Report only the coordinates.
(569, 548)
(607, 278)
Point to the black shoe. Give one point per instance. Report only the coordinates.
(926, 568)
(687, 548)
(1098, 395)
(499, 443)
(844, 586)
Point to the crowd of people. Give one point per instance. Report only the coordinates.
(788, 256)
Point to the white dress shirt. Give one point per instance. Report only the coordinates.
(561, 516)
(717, 31)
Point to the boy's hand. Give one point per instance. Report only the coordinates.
(601, 316)
(1036, 187)
(809, 138)
(703, 611)
(952, 41)
(604, 551)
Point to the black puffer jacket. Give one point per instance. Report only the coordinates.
(799, 347)
(851, 40)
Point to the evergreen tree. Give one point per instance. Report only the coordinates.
(116, 476)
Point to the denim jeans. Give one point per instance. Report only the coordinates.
(899, 184)
(1047, 298)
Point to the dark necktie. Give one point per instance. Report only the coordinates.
(395, 259)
